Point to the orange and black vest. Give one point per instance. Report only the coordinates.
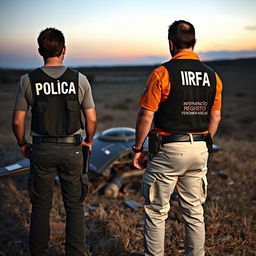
(55, 110)
(192, 93)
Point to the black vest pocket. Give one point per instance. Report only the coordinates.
(41, 107)
(73, 116)
(39, 116)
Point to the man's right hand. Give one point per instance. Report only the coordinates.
(26, 150)
(138, 160)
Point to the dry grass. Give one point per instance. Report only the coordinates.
(111, 227)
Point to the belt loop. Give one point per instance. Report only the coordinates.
(191, 138)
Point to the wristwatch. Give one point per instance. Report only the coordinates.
(137, 150)
(22, 144)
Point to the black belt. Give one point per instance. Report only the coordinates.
(75, 140)
(182, 138)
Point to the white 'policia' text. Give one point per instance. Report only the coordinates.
(55, 89)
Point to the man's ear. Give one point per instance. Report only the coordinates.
(194, 45)
(171, 45)
(64, 50)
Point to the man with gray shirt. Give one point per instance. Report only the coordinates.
(56, 95)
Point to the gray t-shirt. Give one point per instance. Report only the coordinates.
(24, 96)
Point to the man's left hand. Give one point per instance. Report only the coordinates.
(26, 150)
(87, 144)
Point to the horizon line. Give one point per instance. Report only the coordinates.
(134, 64)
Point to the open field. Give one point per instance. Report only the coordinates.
(112, 228)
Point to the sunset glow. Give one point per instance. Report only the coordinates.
(118, 32)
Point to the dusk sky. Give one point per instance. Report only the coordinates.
(116, 32)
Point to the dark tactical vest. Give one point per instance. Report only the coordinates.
(187, 108)
(55, 110)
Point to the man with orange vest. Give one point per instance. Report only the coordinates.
(183, 100)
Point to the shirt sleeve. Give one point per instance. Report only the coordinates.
(157, 90)
(218, 95)
(23, 96)
(85, 93)
(152, 94)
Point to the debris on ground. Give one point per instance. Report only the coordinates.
(220, 173)
(132, 204)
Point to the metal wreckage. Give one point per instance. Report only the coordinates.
(110, 162)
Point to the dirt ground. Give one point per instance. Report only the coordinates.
(111, 227)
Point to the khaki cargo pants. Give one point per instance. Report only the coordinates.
(182, 165)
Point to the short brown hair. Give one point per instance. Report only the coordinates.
(51, 42)
(182, 34)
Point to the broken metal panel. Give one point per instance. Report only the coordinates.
(110, 146)
(19, 167)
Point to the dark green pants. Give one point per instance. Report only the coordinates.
(47, 161)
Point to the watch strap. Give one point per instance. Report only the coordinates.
(22, 144)
(137, 150)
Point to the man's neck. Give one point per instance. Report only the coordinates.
(53, 61)
(181, 50)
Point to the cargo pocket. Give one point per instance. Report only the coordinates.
(31, 180)
(75, 160)
(148, 190)
(204, 159)
(204, 189)
(84, 179)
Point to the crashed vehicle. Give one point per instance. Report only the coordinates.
(110, 163)
(110, 160)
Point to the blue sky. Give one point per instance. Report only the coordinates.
(124, 32)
